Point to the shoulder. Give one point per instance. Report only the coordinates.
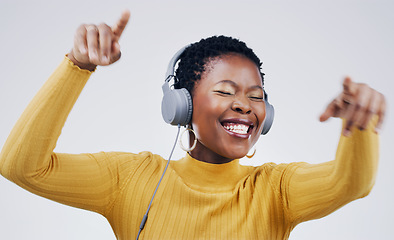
(276, 174)
(271, 169)
(126, 161)
(136, 162)
(134, 158)
(131, 166)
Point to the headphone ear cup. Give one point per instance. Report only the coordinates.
(269, 117)
(177, 107)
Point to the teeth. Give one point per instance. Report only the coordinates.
(237, 128)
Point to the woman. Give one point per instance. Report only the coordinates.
(207, 194)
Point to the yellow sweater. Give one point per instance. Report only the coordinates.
(196, 200)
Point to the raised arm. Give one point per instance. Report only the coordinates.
(312, 191)
(27, 158)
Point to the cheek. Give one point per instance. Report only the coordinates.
(206, 106)
(260, 114)
(206, 114)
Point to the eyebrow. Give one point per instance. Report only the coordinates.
(236, 85)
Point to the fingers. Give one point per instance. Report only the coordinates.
(118, 28)
(92, 35)
(349, 87)
(105, 41)
(98, 44)
(358, 111)
(357, 104)
(381, 112)
(334, 109)
(349, 90)
(93, 44)
(363, 103)
(115, 52)
(329, 112)
(80, 40)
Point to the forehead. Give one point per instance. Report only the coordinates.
(233, 67)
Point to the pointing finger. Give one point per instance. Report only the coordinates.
(118, 28)
(329, 112)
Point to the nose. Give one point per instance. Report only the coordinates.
(241, 105)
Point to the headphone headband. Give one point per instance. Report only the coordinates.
(171, 65)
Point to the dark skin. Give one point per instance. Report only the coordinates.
(228, 111)
(229, 94)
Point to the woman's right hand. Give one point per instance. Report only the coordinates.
(98, 44)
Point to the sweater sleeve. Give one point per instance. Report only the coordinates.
(82, 180)
(311, 191)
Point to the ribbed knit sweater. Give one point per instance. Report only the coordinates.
(196, 200)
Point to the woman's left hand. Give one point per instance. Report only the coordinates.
(357, 104)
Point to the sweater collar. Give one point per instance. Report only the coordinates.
(208, 177)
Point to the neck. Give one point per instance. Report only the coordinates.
(206, 177)
(204, 154)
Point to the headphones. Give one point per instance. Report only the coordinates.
(177, 105)
(177, 109)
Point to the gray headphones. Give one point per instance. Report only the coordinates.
(177, 105)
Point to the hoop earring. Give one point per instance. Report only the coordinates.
(194, 143)
(250, 156)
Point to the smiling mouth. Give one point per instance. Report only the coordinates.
(237, 128)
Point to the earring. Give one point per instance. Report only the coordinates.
(194, 143)
(250, 156)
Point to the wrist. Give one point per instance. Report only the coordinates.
(88, 66)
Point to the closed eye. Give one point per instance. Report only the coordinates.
(257, 98)
(223, 93)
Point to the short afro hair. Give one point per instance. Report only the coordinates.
(193, 60)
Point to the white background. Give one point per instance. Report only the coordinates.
(307, 48)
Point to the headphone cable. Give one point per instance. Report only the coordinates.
(143, 221)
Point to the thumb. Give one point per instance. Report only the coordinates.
(328, 112)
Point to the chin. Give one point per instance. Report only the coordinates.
(236, 154)
(239, 150)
